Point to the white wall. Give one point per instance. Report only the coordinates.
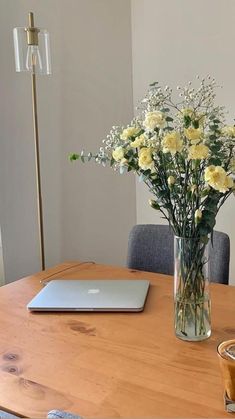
(2, 277)
(172, 42)
(98, 205)
(18, 216)
(89, 91)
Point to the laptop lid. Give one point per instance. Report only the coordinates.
(91, 295)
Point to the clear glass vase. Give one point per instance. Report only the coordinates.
(191, 289)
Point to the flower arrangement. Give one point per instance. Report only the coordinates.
(184, 152)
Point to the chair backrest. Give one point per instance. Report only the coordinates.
(151, 248)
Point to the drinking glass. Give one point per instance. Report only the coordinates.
(226, 353)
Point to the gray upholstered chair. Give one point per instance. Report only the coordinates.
(60, 414)
(151, 248)
(6, 415)
(53, 414)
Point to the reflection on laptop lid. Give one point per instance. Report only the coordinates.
(91, 295)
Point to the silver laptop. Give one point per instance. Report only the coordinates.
(91, 295)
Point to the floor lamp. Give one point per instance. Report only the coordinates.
(32, 54)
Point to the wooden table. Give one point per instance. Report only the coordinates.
(109, 365)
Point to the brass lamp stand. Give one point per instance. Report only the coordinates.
(32, 53)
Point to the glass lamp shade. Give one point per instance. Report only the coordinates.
(33, 58)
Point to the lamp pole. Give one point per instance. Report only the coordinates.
(37, 151)
(32, 54)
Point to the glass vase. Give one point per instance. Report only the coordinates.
(191, 289)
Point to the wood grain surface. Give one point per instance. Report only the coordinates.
(109, 365)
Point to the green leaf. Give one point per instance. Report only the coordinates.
(204, 229)
(167, 205)
(129, 153)
(215, 147)
(212, 137)
(73, 157)
(187, 121)
(153, 84)
(205, 192)
(165, 110)
(209, 217)
(168, 128)
(214, 127)
(215, 161)
(169, 119)
(133, 165)
(112, 161)
(195, 124)
(162, 193)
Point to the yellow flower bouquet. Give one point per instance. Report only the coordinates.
(184, 152)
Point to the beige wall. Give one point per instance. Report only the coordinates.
(173, 42)
(88, 210)
(99, 205)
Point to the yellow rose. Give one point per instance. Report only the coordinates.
(118, 154)
(138, 141)
(145, 158)
(172, 143)
(193, 134)
(209, 171)
(198, 152)
(218, 179)
(228, 131)
(154, 120)
(129, 132)
(171, 180)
